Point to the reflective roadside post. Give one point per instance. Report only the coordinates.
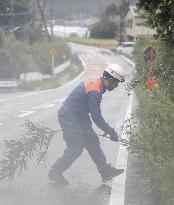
(53, 53)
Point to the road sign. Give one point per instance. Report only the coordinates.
(53, 51)
(150, 54)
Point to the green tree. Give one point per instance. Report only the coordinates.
(16, 10)
(160, 17)
(111, 11)
(103, 29)
(123, 10)
(15, 15)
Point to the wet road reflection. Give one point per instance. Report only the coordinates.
(70, 196)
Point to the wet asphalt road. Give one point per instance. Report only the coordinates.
(85, 186)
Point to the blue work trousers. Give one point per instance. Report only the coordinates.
(78, 134)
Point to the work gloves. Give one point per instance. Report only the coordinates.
(113, 136)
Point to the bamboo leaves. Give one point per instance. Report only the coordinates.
(36, 139)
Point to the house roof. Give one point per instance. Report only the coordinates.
(133, 9)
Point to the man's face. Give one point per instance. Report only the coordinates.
(112, 84)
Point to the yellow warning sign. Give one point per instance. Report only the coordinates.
(53, 51)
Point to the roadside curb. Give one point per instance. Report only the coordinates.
(118, 184)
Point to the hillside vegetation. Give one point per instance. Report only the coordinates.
(153, 144)
(153, 141)
(20, 57)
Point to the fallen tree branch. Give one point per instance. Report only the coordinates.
(36, 138)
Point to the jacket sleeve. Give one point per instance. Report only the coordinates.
(94, 101)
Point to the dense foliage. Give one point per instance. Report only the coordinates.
(112, 22)
(15, 14)
(160, 16)
(103, 29)
(153, 143)
(24, 46)
(162, 68)
(19, 57)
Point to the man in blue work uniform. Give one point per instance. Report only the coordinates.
(77, 128)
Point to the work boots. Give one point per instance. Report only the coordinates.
(57, 179)
(110, 173)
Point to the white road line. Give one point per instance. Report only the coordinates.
(132, 63)
(118, 184)
(59, 100)
(25, 113)
(0, 123)
(47, 106)
(19, 96)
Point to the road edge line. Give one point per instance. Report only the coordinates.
(132, 63)
(117, 196)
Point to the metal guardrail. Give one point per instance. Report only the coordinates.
(61, 67)
(8, 84)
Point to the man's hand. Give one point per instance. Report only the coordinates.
(113, 136)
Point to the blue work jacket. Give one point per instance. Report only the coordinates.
(85, 99)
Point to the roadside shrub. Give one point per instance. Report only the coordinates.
(42, 56)
(153, 143)
(165, 182)
(103, 29)
(16, 58)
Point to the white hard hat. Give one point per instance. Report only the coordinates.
(115, 71)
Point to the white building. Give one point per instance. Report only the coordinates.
(134, 24)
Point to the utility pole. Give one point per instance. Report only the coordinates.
(51, 18)
(43, 19)
(12, 16)
(43, 9)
